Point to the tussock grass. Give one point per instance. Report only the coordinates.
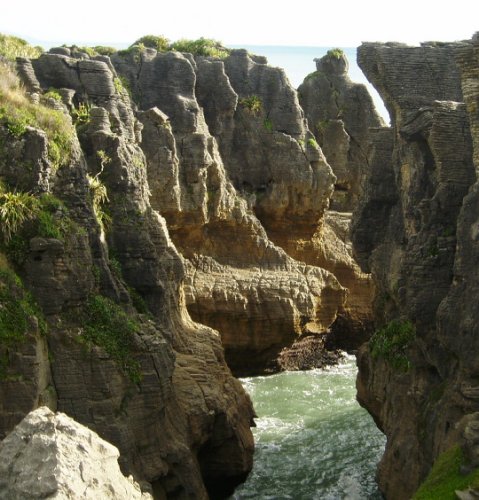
(17, 112)
(12, 47)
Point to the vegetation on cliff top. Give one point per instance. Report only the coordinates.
(18, 112)
(200, 47)
(12, 47)
(335, 53)
(446, 478)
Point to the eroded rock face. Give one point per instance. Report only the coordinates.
(51, 455)
(171, 405)
(222, 151)
(237, 279)
(340, 114)
(415, 231)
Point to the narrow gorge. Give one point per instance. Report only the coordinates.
(172, 220)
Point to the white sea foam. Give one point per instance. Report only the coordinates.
(313, 439)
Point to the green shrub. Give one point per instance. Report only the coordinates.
(253, 103)
(160, 43)
(104, 158)
(15, 209)
(268, 125)
(17, 112)
(81, 114)
(104, 50)
(99, 195)
(115, 267)
(134, 51)
(53, 94)
(121, 85)
(52, 218)
(335, 53)
(25, 216)
(391, 343)
(107, 325)
(201, 47)
(446, 477)
(17, 308)
(12, 47)
(312, 142)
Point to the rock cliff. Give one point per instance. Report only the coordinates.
(228, 157)
(414, 230)
(137, 190)
(110, 342)
(340, 113)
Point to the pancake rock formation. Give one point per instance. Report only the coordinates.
(103, 334)
(166, 220)
(415, 232)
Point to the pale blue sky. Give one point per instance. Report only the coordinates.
(309, 22)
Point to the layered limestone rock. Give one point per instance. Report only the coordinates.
(259, 141)
(221, 150)
(51, 455)
(237, 280)
(124, 357)
(340, 114)
(414, 231)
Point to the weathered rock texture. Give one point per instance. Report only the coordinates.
(340, 114)
(415, 231)
(231, 136)
(221, 150)
(170, 404)
(50, 455)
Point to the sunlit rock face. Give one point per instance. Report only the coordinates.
(121, 354)
(230, 168)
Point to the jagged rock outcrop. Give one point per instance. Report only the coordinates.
(340, 114)
(414, 231)
(121, 354)
(237, 281)
(51, 455)
(221, 150)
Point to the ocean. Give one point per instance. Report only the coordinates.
(313, 440)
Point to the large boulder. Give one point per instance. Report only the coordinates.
(49, 455)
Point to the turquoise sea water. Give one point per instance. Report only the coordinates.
(299, 62)
(313, 440)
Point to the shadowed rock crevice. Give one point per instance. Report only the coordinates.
(412, 230)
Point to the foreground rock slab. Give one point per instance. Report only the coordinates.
(49, 455)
